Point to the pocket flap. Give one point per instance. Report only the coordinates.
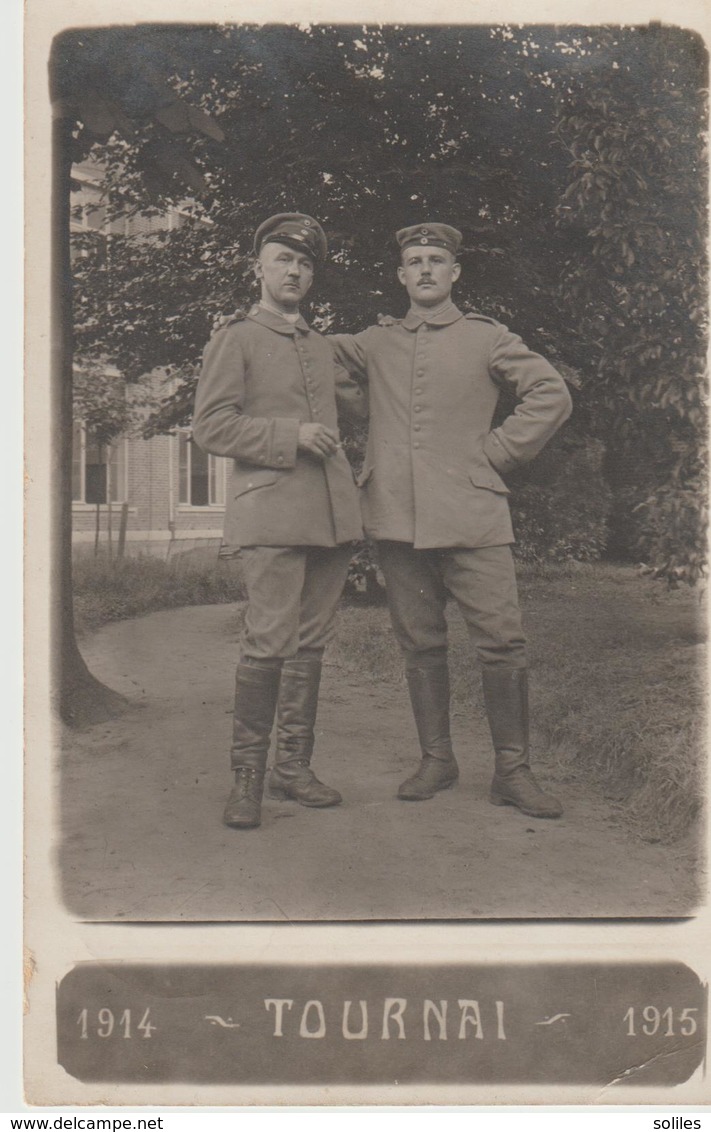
(259, 477)
(489, 479)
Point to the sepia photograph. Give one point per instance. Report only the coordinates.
(355, 313)
(375, 547)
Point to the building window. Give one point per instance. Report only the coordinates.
(88, 211)
(201, 478)
(99, 472)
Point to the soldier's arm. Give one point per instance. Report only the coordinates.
(350, 352)
(351, 397)
(544, 402)
(220, 425)
(351, 373)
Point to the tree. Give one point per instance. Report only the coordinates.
(570, 157)
(100, 82)
(637, 201)
(363, 127)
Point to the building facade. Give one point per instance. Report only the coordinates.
(169, 495)
(162, 495)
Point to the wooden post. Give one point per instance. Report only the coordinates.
(122, 530)
(108, 501)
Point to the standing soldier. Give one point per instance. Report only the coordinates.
(434, 501)
(267, 398)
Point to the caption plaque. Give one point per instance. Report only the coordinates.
(382, 1024)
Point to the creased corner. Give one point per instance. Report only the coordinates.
(29, 967)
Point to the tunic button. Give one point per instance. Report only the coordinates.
(280, 459)
(417, 409)
(416, 428)
(416, 444)
(418, 391)
(420, 373)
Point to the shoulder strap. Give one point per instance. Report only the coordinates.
(223, 320)
(475, 316)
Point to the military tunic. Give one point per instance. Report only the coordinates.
(293, 515)
(431, 487)
(261, 377)
(432, 467)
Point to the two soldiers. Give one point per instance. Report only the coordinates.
(432, 498)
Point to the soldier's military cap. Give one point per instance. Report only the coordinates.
(430, 235)
(296, 230)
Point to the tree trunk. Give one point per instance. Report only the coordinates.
(78, 696)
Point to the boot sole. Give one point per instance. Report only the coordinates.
(427, 797)
(241, 824)
(282, 796)
(497, 800)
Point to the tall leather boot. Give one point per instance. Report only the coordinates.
(428, 684)
(513, 784)
(256, 691)
(292, 776)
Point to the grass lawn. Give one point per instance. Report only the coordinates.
(111, 590)
(618, 669)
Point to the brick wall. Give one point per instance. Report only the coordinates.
(153, 481)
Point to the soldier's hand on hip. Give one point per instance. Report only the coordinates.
(317, 439)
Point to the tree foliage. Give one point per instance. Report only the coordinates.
(560, 506)
(115, 80)
(637, 198)
(571, 159)
(106, 408)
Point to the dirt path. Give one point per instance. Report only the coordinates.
(142, 799)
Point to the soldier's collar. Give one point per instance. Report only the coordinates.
(274, 321)
(445, 317)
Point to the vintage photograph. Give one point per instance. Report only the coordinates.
(379, 443)
(366, 481)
